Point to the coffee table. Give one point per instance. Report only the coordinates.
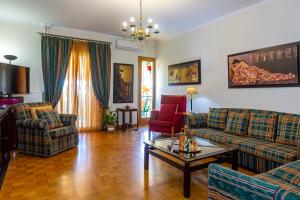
(168, 151)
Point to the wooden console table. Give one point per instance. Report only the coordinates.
(124, 125)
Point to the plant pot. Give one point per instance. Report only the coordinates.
(111, 128)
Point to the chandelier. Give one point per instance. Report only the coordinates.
(137, 31)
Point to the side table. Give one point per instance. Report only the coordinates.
(125, 126)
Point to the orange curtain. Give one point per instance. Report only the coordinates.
(78, 96)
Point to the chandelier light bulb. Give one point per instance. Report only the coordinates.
(156, 26)
(150, 21)
(132, 20)
(125, 24)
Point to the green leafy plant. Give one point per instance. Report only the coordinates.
(109, 118)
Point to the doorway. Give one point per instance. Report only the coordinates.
(146, 93)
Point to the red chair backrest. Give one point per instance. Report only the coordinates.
(180, 100)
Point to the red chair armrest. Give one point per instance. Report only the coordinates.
(154, 115)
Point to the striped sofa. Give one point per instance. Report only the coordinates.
(265, 139)
(35, 137)
(282, 183)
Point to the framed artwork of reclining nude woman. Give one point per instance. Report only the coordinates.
(276, 66)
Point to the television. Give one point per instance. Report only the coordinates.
(14, 79)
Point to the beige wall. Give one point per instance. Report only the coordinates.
(266, 24)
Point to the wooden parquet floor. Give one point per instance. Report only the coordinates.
(104, 166)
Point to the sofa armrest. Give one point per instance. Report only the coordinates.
(154, 115)
(224, 182)
(32, 123)
(196, 120)
(68, 119)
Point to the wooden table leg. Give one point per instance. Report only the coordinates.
(146, 157)
(186, 181)
(235, 160)
(123, 121)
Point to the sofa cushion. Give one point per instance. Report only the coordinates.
(43, 107)
(237, 123)
(288, 129)
(159, 123)
(51, 116)
(262, 125)
(167, 112)
(283, 184)
(22, 112)
(196, 120)
(289, 173)
(62, 131)
(217, 118)
(268, 150)
(217, 136)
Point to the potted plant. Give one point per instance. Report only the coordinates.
(109, 120)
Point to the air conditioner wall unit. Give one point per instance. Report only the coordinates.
(127, 45)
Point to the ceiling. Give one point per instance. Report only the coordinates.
(106, 16)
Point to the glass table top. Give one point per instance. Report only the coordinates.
(171, 146)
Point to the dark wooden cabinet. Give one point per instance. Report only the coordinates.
(4, 103)
(4, 142)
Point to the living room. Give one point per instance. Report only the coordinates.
(201, 104)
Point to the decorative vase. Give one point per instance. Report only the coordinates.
(111, 128)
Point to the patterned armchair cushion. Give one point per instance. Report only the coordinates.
(51, 116)
(262, 125)
(22, 113)
(237, 123)
(62, 131)
(33, 110)
(224, 183)
(217, 118)
(273, 180)
(196, 120)
(289, 173)
(288, 129)
(268, 150)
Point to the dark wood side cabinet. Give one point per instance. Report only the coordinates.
(4, 142)
(4, 103)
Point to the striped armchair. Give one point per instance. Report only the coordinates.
(35, 137)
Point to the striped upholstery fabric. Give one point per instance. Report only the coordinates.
(217, 118)
(196, 120)
(224, 183)
(284, 185)
(51, 117)
(35, 138)
(262, 126)
(288, 129)
(289, 173)
(237, 123)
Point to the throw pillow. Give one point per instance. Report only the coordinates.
(288, 129)
(237, 123)
(33, 110)
(167, 112)
(262, 125)
(51, 116)
(217, 118)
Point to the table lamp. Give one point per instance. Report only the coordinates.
(190, 91)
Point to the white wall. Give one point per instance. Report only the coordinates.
(23, 40)
(266, 24)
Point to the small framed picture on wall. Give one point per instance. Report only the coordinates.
(123, 83)
(187, 73)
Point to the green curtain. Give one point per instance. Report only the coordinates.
(100, 70)
(55, 59)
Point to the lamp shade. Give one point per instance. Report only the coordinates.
(191, 90)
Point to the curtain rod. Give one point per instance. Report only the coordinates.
(74, 38)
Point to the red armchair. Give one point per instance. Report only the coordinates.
(172, 123)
